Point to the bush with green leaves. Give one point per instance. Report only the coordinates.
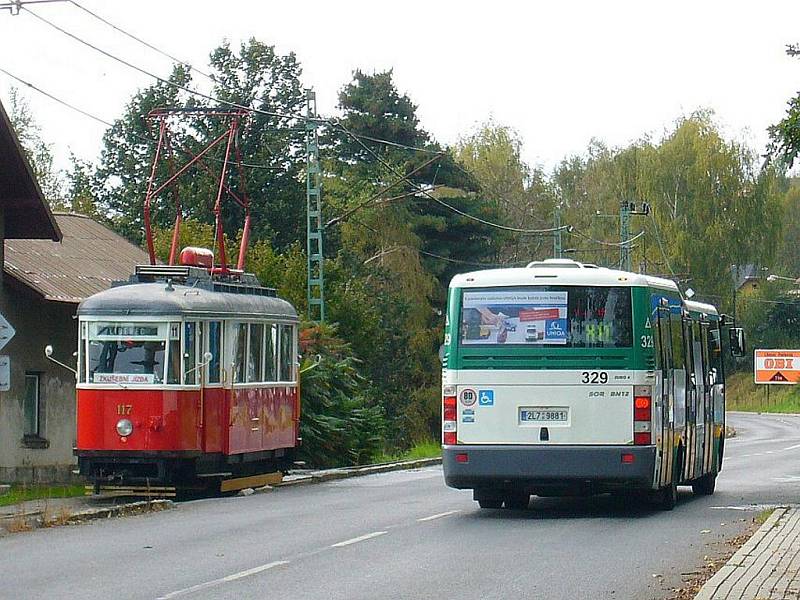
(340, 422)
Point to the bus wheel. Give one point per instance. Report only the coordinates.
(490, 503)
(666, 498)
(517, 501)
(705, 485)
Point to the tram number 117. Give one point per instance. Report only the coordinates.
(124, 409)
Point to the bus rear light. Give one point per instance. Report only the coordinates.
(449, 413)
(449, 420)
(628, 458)
(641, 408)
(463, 457)
(642, 415)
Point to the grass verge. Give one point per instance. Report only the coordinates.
(23, 493)
(426, 449)
(742, 394)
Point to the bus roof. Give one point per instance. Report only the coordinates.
(161, 299)
(559, 272)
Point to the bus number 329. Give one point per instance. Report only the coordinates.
(594, 377)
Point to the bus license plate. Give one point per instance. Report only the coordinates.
(544, 414)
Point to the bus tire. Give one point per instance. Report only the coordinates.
(517, 501)
(705, 485)
(667, 497)
(490, 503)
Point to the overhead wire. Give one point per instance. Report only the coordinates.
(394, 170)
(615, 244)
(158, 77)
(140, 40)
(103, 121)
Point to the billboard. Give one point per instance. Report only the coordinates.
(777, 366)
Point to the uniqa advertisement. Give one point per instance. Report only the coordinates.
(514, 317)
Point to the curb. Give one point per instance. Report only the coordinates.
(735, 562)
(755, 412)
(43, 517)
(106, 512)
(346, 473)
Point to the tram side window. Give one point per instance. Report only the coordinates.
(190, 353)
(240, 344)
(174, 370)
(215, 348)
(287, 351)
(82, 353)
(271, 353)
(254, 366)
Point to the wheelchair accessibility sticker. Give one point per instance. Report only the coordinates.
(486, 397)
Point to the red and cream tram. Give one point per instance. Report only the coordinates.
(187, 378)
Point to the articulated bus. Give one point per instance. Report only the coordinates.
(565, 378)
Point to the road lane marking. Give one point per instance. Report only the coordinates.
(360, 538)
(439, 516)
(795, 447)
(226, 579)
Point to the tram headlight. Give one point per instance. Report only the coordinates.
(124, 427)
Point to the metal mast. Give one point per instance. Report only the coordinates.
(625, 209)
(315, 269)
(557, 233)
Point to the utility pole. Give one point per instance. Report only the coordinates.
(625, 209)
(315, 288)
(557, 252)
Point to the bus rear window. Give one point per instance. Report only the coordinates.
(566, 316)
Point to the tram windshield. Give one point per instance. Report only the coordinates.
(565, 316)
(129, 352)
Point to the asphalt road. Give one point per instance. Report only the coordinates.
(405, 535)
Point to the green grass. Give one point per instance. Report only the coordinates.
(762, 517)
(22, 493)
(426, 449)
(742, 394)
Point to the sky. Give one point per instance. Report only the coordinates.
(559, 72)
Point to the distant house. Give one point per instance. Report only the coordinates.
(50, 263)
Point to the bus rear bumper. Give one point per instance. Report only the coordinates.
(547, 470)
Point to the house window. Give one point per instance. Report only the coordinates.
(31, 406)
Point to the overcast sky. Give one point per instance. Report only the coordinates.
(559, 72)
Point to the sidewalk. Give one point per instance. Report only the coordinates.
(766, 567)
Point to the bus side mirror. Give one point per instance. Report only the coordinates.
(736, 336)
(441, 353)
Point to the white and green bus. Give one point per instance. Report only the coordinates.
(565, 378)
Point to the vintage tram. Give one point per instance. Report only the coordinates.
(187, 378)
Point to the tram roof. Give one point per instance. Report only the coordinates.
(159, 299)
(560, 272)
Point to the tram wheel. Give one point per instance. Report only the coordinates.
(705, 485)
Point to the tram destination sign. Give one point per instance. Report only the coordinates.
(780, 367)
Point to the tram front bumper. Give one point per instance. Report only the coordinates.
(564, 469)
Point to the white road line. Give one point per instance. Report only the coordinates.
(360, 538)
(226, 579)
(795, 447)
(439, 516)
